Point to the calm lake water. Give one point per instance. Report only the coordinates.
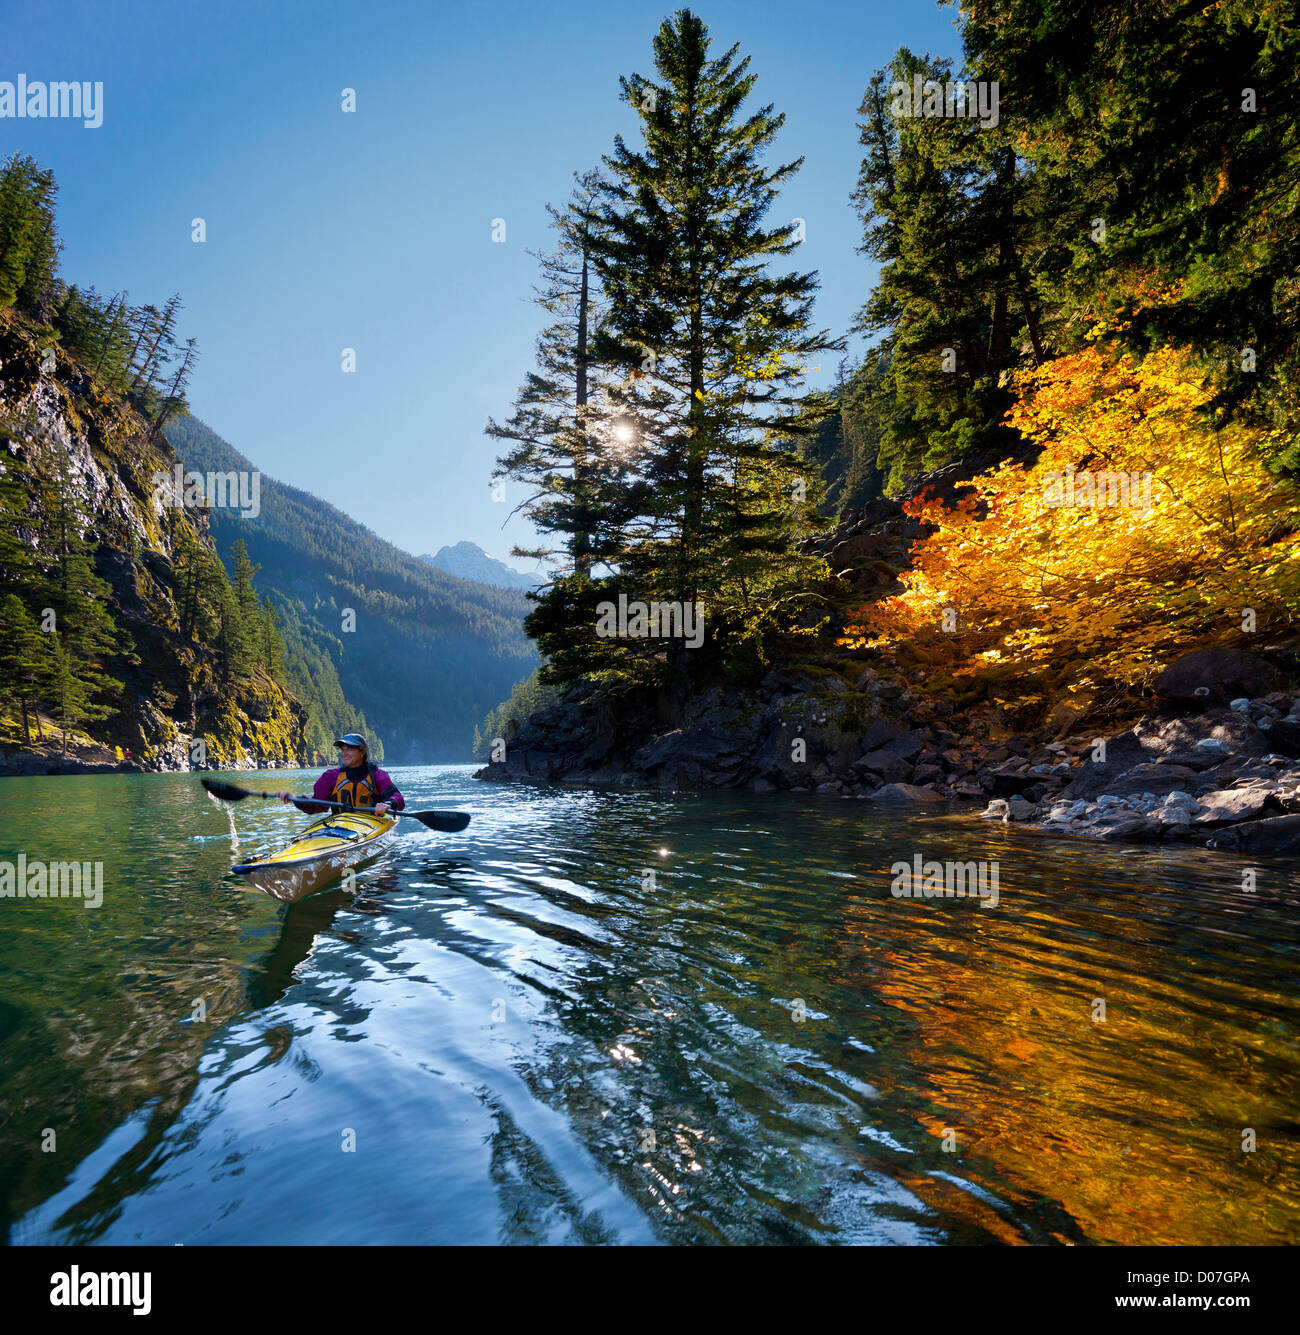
(527, 1038)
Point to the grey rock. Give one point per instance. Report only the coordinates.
(1278, 834)
(888, 764)
(1162, 736)
(1010, 778)
(1195, 760)
(881, 730)
(1129, 827)
(1213, 746)
(905, 792)
(906, 744)
(1236, 804)
(1283, 736)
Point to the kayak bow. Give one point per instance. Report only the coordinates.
(322, 854)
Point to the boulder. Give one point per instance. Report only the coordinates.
(1010, 778)
(1213, 676)
(888, 764)
(881, 730)
(1123, 751)
(909, 745)
(1127, 825)
(1237, 772)
(1278, 834)
(1201, 733)
(1283, 736)
(1193, 760)
(1235, 804)
(905, 792)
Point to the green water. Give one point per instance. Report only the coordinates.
(518, 1034)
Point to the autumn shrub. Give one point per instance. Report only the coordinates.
(1145, 526)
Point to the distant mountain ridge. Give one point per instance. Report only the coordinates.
(428, 653)
(467, 560)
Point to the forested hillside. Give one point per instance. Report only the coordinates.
(423, 656)
(1141, 174)
(121, 637)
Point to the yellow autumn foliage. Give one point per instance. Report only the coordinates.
(1143, 528)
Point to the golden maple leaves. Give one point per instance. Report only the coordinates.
(1015, 588)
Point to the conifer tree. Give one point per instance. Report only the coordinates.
(71, 695)
(712, 345)
(568, 447)
(245, 571)
(173, 402)
(81, 599)
(17, 568)
(955, 221)
(29, 244)
(25, 660)
(1174, 128)
(159, 340)
(270, 646)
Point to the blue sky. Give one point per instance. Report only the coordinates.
(372, 230)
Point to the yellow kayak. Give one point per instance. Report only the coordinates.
(320, 855)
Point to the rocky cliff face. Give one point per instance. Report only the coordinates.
(173, 711)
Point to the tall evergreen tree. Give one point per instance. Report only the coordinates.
(270, 647)
(71, 694)
(80, 598)
(25, 660)
(565, 444)
(954, 220)
(712, 345)
(172, 403)
(29, 244)
(551, 431)
(17, 567)
(1173, 129)
(245, 572)
(155, 345)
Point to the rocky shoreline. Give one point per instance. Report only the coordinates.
(1215, 761)
(27, 764)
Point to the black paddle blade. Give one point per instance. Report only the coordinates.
(447, 821)
(227, 792)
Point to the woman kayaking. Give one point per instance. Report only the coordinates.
(356, 781)
(334, 846)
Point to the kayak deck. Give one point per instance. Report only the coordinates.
(321, 855)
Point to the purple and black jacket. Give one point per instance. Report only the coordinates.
(350, 786)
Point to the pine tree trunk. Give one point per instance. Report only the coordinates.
(582, 538)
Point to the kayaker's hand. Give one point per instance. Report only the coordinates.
(283, 796)
(381, 808)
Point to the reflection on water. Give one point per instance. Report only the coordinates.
(618, 1017)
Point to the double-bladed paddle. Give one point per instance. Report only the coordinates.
(447, 821)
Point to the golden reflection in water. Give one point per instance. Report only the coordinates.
(1124, 1123)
